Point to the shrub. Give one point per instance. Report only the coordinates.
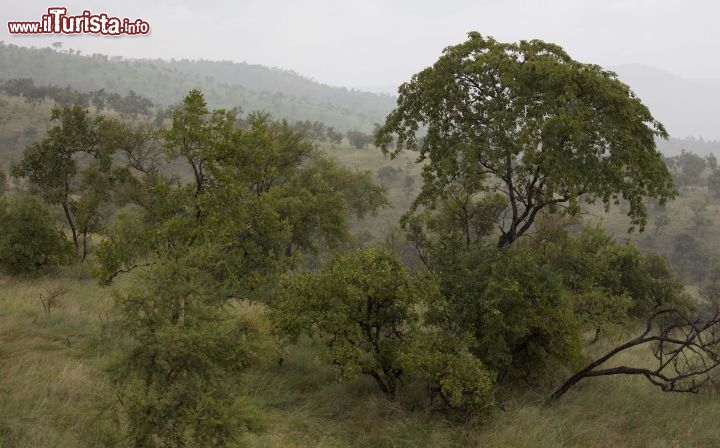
(30, 240)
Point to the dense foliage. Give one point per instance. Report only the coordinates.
(30, 239)
(368, 309)
(527, 121)
(52, 166)
(253, 200)
(185, 348)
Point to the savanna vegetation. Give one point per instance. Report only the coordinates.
(507, 260)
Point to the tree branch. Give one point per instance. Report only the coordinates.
(686, 351)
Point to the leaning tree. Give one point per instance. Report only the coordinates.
(527, 121)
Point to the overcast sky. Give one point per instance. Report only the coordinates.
(383, 42)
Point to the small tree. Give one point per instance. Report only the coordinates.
(699, 218)
(686, 168)
(713, 184)
(363, 305)
(334, 136)
(359, 139)
(690, 257)
(3, 182)
(711, 161)
(366, 307)
(452, 372)
(661, 221)
(52, 164)
(30, 239)
(387, 174)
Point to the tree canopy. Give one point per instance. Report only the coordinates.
(527, 121)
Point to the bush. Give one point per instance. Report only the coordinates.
(387, 174)
(451, 371)
(363, 305)
(516, 309)
(358, 139)
(3, 182)
(182, 353)
(30, 240)
(610, 283)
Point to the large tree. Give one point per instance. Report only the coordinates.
(529, 122)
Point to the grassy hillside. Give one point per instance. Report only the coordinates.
(267, 81)
(55, 394)
(52, 391)
(251, 87)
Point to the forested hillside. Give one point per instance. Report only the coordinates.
(251, 87)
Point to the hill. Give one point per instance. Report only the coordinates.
(225, 84)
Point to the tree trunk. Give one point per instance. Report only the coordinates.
(85, 246)
(390, 390)
(71, 223)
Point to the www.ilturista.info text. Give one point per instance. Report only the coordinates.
(56, 21)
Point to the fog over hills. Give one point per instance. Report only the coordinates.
(687, 108)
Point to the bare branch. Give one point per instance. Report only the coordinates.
(687, 353)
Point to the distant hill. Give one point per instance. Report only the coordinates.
(271, 81)
(674, 146)
(225, 84)
(687, 108)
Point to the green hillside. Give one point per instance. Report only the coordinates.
(282, 83)
(225, 84)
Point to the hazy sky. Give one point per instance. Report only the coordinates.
(383, 42)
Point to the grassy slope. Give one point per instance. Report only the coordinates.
(51, 391)
(54, 394)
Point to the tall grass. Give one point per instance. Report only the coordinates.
(51, 392)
